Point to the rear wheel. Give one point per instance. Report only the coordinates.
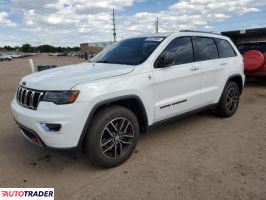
(112, 136)
(229, 100)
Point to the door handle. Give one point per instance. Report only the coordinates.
(194, 68)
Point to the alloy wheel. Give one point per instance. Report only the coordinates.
(232, 99)
(117, 138)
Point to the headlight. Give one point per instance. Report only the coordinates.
(61, 97)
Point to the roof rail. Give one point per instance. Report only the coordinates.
(200, 32)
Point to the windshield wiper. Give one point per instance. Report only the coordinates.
(104, 61)
(109, 62)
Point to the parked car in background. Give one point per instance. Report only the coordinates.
(53, 54)
(80, 54)
(254, 54)
(15, 55)
(4, 56)
(103, 105)
(252, 45)
(62, 54)
(28, 54)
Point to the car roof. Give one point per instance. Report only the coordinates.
(183, 32)
(154, 35)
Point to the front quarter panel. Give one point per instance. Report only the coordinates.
(137, 84)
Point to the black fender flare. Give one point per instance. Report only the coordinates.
(236, 76)
(106, 102)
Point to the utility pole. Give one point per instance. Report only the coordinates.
(114, 28)
(157, 25)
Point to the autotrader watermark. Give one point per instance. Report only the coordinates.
(26, 193)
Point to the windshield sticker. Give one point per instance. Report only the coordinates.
(154, 39)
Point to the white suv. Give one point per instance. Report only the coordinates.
(5, 57)
(104, 104)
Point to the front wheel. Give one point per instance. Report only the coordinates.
(112, 136)
(229, 100)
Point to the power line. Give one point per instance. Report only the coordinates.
(114, 27)
(157, 25)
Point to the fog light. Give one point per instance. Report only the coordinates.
(51, 127)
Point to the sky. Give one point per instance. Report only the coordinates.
(71, 22)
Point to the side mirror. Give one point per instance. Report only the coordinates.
(166, 59)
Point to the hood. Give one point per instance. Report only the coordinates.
(64, 78)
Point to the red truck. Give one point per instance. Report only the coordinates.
(252, 45)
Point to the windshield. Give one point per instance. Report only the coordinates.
(132, 51)
(252, 46)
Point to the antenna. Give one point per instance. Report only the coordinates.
(114, 28)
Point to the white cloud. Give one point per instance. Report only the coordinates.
(190, 14)
(90, 20)
(4, 21)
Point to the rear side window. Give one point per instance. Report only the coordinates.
(182, 49)
(225, 48)
(206, 49)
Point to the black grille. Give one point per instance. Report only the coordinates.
(29, 98)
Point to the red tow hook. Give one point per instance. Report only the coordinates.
(35, 139)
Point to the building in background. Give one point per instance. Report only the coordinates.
(251, 43)
(94, 47)
(86, 48)
(100, 44)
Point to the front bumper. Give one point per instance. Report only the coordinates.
(71, 117)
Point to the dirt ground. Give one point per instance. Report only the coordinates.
(199, 157)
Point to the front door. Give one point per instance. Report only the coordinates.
(177, 88)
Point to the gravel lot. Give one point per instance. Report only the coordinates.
(200, 157)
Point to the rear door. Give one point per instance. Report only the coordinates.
(213, 68)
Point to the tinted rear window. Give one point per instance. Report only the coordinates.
(205, 49)
(225, 48)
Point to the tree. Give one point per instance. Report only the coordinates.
(8, 48)
(27, 48)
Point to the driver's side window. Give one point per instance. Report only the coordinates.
(181, 49)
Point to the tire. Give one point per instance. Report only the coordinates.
(103, 143)
(229, 100)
